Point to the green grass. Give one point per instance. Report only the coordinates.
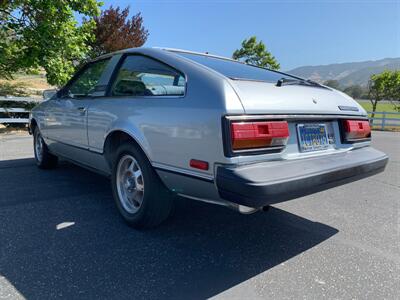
(382, 107)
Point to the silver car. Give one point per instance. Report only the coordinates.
(165, 122)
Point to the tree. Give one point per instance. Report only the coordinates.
(38, 34)
(354, 91)
(384, 86)
(394, 89)
(114, 31)
(256, 53)
(333, 84)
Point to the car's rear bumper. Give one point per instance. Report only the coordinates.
(267, 183)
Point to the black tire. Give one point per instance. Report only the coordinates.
(44, 160)
(157, 201)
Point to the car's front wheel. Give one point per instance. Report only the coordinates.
(140, 196)
(44, 159)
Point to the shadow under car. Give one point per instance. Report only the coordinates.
(62, 237)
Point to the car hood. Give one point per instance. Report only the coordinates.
(263, 97)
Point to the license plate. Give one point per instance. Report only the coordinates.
(312, 137)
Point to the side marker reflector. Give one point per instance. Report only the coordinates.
(199, 164)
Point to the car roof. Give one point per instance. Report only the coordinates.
(150, 50)
(159, 52)
(176, 50)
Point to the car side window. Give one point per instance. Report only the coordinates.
(143, 76)
(87, 80)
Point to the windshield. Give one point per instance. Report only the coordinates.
(236, 70)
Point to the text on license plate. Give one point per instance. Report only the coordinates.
(312, 137)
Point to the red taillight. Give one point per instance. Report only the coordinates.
(250, 135)
(356, 129)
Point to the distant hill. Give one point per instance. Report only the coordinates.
(347, 73)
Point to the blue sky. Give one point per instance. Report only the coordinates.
(298, 33)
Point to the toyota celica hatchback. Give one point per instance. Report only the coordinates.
(165, 122)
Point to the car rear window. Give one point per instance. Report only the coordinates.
(235, 69)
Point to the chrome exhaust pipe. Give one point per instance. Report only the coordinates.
(246, 210)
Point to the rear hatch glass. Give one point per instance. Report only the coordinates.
(235, 69)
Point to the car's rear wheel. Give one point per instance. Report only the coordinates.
(140, 196)
(44, 159)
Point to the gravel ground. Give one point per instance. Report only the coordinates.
(61, 237)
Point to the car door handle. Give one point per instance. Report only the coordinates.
(82, 109)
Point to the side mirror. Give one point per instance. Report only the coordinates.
(48, 94)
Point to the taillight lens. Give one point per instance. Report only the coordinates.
(356, 130)
(252, 135)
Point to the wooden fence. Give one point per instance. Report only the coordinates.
(385, 120)
(13, 110)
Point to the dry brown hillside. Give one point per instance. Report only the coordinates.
(32, 85)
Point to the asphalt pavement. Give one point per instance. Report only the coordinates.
(62, 237)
